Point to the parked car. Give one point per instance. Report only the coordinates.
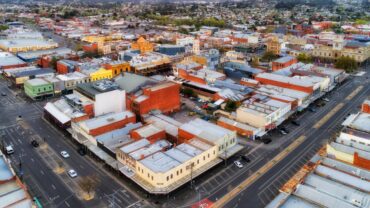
(266, 140)
(326, 99)
(64, 154)
(34, 143)
(72, 173)
(81, 151)
(282, 132)
(295, 122)
(312, 110)
(238, 164)
(284, 129)
(3, 94)
(245, 158)
(9, 150)
(320, 104)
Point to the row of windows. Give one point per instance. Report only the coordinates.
(226, 144)
(363, 143)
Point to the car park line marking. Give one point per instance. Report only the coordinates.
(66, 203)
(52, 185)
(255, 176)
(42, 172)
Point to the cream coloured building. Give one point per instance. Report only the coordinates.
(360, 52)
(160, 171)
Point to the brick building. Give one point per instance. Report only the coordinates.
(283, 62)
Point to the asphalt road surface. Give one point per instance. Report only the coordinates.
(37, 165)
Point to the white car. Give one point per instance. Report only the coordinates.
(326, 99)
(64, 154)
(238, 164)
(72, 173)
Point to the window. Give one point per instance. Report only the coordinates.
(197, 161)
(148, 175)
(214, 152)
(204, 157)
(180, 170)
(208, 155)
(177, 172)
(138, 168)
(168, 178)
(171, 176)
(152, 178)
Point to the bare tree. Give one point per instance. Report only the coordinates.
(88, 183)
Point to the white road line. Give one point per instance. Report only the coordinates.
(65, 202)
(52, 185)
(19, 141)
(42, 172)
(32, 159)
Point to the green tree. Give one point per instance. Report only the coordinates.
(53, 62)
(269, 56)
(3, 27)
(347, 63)
(231, 106)
(188, 92)
(302, 57)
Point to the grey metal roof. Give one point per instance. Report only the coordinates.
(133, 82)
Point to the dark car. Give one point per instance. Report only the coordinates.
(245, 158)
(34, 143)
(294, 122)
(81, 151)
(320, 104)
(312, 110)
(284, 129)
(266, 140)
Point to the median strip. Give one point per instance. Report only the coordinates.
(354, 93)
(233, 193)
(328, 116)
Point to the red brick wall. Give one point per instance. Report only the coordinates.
(166, 100)
(152, 138)
(184, 135)
(112, 126)
(285, 85)
(14, 66)
(361, 162)
(61, 68)
(365, 108)
(234, 128)
(89, 110)
(185, 75)
(276, 65)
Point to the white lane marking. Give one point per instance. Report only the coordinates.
(67, 204)
(32, 159)
(19, 141)
(42, 172)
(52, 185)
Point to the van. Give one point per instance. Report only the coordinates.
(9, 150)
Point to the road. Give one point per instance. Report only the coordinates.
(39, 165)
(265, 188)
(220, 180)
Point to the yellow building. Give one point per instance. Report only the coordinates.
(117, 67)
(273, 45)
(200, 60)
(101, 74)
(100, 38)
(23, 45)
(142, 45)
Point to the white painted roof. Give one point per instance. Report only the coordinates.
(150, 149)
(135, 146)
(160, 162)
(105, 120)
(343, 178)
(284, 79)
(53, 110)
